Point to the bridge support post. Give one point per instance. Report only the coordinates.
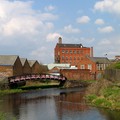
(62, 83)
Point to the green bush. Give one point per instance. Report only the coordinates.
(114, 66)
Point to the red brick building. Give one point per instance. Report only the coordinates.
(94, 64)
(71, 53)
(81, 57)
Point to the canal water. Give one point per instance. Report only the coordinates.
(53, 104)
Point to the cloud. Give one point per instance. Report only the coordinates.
(41, 54)
(53, 36)
(106, 29)
(88, 40)
(83, 19)
(47, 16)
(70, 29)
(23, 28)
(18, 26)
(49, 8)
(105, 42)
(111, 6)
(18, 17)
(99, 22)
(109, 46)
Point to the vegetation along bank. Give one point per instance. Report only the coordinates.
(105, 93)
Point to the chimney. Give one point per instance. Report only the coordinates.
(91, 52)
(60, 40)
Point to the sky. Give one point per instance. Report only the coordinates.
(31, 28)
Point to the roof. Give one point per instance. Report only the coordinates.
(100, 59)
(31, 62)
(70, 45)
(23, 60)
(50, 66)
(8, 59)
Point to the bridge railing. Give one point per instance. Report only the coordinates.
(35, 77)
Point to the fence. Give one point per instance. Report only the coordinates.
(112, 74)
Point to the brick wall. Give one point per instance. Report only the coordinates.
(6, 71)
(36, 68)
(77, 74)
(17, 68)
(26, 68)
(86, 61)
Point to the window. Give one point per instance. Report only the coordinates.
(75, 51)
(62, 57)
(63, 51)
(70, 51)
(82, 66)
(66, 51)
(89, 66)
(81, 51)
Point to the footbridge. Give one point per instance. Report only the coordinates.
(21, 79)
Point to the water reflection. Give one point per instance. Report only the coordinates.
(52, 104)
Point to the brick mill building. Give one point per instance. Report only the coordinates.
(80, 56)
(71, 53)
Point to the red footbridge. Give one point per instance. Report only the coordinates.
(21, 80)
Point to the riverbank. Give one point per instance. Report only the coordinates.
(105, 94)
(30, 86)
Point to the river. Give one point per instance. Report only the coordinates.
(53, 104)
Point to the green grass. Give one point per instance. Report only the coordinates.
(10, 91)
(108, 98)
(26, 88)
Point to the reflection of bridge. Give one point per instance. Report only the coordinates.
(16, 80)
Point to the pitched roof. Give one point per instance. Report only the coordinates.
(100, 59)
(23, 60)
(8, 59)
(70, 45)
(50, 66)
(31, 62)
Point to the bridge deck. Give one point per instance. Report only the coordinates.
(14, 79)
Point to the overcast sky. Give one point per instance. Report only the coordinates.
(30, 28)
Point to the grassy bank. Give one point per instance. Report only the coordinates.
(29, 86)
(104, 94)
(10, 91)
